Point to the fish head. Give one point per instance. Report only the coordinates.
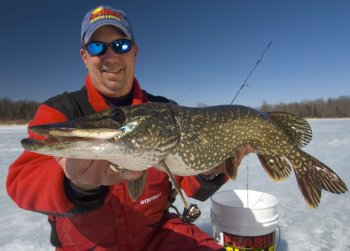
(146, 131)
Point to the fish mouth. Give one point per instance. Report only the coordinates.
(66, 133)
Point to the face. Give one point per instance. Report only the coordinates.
(112, 74)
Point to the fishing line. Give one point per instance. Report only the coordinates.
(247, 182)
(251, 72)
(185, 93)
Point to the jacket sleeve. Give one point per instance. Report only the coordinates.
(37, 182)
(197, 188)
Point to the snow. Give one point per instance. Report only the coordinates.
(301, 228)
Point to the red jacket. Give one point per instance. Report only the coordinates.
(109, 220)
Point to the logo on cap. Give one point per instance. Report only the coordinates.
(100, 13)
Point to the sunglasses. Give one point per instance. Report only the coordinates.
(119, 46)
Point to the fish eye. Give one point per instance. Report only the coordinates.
(118, 115)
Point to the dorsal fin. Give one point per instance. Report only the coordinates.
(298, 128)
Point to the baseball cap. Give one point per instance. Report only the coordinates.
(101, 16)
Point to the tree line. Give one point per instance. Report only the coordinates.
(22, 111)
(319, 108)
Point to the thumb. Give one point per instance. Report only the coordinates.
(131, 175)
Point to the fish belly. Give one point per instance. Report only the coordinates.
(128, 164)
(178, 167)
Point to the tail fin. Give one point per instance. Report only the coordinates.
(313, 176)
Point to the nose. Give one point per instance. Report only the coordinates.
(110, 52)
(111, 57)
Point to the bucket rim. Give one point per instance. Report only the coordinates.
(272, 205)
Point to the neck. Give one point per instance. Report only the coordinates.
(120, 101)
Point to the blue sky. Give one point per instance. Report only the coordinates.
(189, 50)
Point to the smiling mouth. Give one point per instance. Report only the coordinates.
(115, 71)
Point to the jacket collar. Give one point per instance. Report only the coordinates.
(97, 101)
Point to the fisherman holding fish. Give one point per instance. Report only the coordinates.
(86, 201)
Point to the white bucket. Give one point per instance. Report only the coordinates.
(244, 219)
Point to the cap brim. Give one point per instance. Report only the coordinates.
(97, 25)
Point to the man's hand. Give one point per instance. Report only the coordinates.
(240, 153)
(91, 174)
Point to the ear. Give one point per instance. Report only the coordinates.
(83, 54)
(135, 51)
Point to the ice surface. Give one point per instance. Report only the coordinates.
(301, 228)
(19, 229)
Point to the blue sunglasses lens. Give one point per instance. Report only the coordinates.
(95, 48)
(119, 46)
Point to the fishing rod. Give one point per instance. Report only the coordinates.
(239, 90)
(250, 73)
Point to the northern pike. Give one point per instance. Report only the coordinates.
(191, 141)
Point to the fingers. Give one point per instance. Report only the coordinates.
(236, 159)
(241, 152)
(131, 175)
(90, 174)
(125, 174)
(217, 170)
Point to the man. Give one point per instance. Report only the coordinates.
(86, 200)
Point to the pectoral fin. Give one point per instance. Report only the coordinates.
(136, 188)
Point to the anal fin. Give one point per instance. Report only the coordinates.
(276, 166)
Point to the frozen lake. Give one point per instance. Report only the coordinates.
(301, 228)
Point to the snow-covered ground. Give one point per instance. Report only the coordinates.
(301, 228)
